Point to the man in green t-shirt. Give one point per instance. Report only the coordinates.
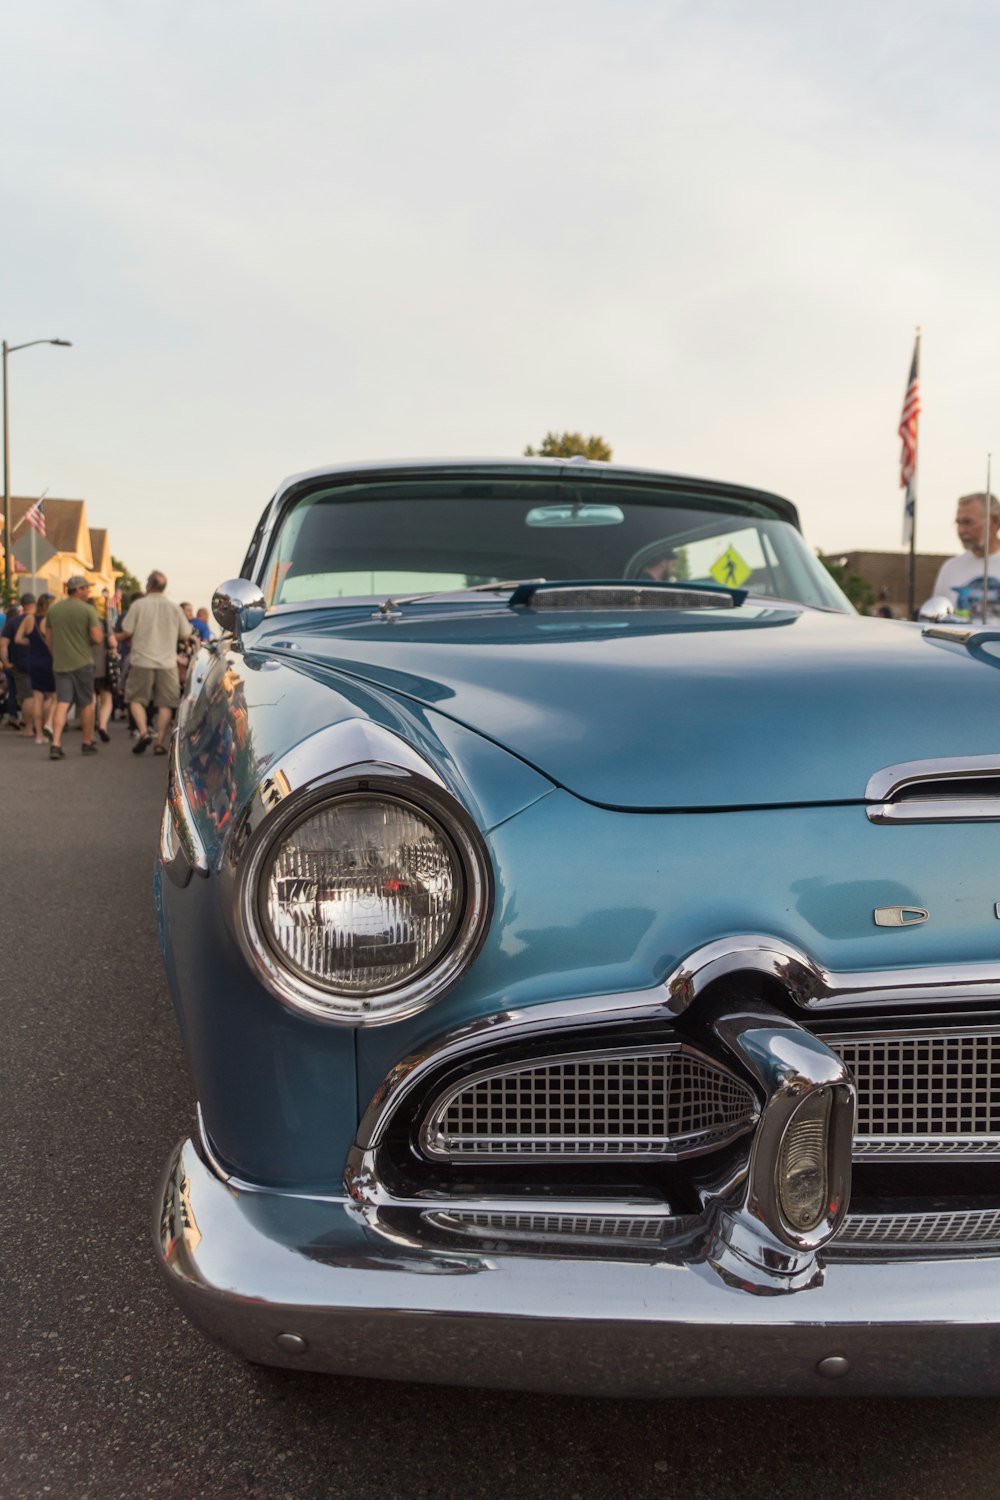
(72, 630)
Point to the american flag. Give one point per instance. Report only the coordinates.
(36, 517)
(908, 436)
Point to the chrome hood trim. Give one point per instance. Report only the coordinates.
(960, 789)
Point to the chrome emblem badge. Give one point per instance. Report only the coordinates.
(900, 916)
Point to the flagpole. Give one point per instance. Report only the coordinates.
(911, 593)
(987, 517)
(916, 449)
(911, 501)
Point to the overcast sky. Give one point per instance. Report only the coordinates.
(282, 234)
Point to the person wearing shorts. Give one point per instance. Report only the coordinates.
(104, 659)
(18, 658)
(155, 624)
(72, 629)
(43, 684)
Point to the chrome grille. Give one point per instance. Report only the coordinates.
(925, 1093)
(957, 1227)
(619, 1229)
(667, 1101)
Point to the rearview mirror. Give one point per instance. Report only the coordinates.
(575, 515)
(238, 605)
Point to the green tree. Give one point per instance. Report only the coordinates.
(127, 582)
(570, 445)
(857, 589)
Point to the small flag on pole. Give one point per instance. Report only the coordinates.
(36, 517)
(908, 437)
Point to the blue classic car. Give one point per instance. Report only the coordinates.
(583, 928)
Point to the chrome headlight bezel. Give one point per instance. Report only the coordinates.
(276, 810)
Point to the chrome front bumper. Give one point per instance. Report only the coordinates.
(317, 1284)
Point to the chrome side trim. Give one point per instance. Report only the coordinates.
(887, 784)
(175, 865)
(178, 863)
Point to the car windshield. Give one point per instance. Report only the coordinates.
(364, 540)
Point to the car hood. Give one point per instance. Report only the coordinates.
(760, 706)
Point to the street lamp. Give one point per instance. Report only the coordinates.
(7, 553)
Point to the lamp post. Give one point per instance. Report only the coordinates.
(8, 566)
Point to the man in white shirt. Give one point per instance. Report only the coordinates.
(155, 624)
(961, 578)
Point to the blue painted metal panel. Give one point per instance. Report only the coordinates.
(750, 707)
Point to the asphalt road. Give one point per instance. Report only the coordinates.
(105, 1391)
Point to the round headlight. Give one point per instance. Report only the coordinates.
(362, 896)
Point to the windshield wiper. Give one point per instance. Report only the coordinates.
(389, 608)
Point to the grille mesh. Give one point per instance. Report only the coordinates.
(925, 1093)
(621, 1228)
(878, 1232)
(666, 1101)
(956, 1227)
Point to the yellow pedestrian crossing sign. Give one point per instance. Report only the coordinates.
(730, 570)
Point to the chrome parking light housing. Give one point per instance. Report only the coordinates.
(795, 1193)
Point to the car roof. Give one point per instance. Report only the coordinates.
(592, 469)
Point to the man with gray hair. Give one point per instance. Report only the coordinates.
(155, 624)
(961, 578)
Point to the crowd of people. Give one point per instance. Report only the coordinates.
(84, 655)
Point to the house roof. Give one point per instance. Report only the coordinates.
(100, 551)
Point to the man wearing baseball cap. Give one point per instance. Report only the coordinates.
(72, 629)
